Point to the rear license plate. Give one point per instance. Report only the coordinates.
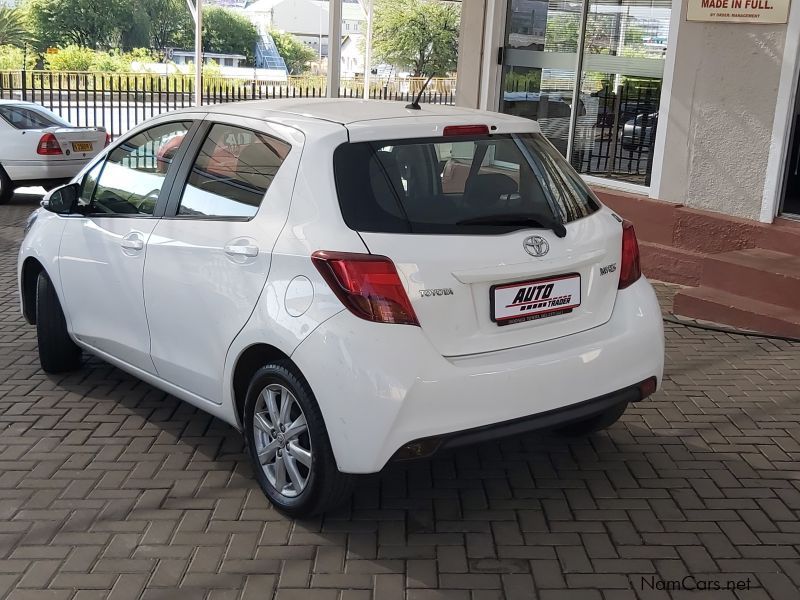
(538, 299)
(82, 146)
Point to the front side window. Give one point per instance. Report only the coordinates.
(22, 117)
(481, 185)
(134, 172)
(232, 173)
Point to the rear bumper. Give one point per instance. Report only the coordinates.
(30, 171)
(550, 419)
(382, 386)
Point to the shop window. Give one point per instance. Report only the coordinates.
(616, 105)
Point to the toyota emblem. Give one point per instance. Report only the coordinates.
(536, 245)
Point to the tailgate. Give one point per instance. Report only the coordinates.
(454, 281)
(471, 217)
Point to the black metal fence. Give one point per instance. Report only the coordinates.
(120, 101)
(619, 141)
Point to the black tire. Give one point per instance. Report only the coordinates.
(325, 487)
(57, 352)
(595, 423)
(6, 188)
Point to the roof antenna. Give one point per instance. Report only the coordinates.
(415, 104)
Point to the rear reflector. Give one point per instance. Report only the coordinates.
(647, 387)
(420, 449)
(48, 145)
(367, 284)
(630, 271)
(456, 130)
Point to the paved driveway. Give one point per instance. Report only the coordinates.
(112, 489)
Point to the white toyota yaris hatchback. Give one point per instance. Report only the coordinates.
(347, 283)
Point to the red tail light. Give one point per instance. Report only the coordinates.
(48, 145)
(108, 139)
(630, 271)
(368, 285)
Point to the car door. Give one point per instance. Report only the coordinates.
(208, 258)
(102, 253)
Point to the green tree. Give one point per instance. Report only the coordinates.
(634, 35)
(601, 34)
(227, 32)
(294, 52)
(561, 33)
(171, 23)
(418, 35)
(13, 31)
(137, 33)
(85, 23)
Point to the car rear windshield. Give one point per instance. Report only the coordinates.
(22, 117)
(486, 184)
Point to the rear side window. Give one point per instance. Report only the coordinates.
(232, 173)
(445, 185)
(21, 117)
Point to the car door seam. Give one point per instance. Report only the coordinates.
(144, 303)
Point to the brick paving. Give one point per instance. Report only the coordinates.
(112, 489)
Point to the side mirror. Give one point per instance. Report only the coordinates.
(62, 200)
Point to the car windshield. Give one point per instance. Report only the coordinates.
(485, 184)
(25, 117)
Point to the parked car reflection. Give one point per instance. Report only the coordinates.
(637, 133)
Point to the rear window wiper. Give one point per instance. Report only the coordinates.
(510, 219)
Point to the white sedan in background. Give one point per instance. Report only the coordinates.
(37, 147)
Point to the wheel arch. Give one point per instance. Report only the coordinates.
(249, 361)
(28, 277)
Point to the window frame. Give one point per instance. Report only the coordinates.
(169, 178)
(181, 179)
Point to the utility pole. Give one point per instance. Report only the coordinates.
(334, 47)
(368, 48)
(197, 14)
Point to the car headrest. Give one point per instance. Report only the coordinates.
(486, 188)
(257, 163)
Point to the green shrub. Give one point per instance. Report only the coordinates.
(11, 58)
(71, 58)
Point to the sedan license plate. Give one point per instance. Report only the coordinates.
(82, 146)
(538, 299)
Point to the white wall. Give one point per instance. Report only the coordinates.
(470, 51)
(719, 109)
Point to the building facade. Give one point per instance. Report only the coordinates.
(307, 20)
(690, 126)
(660, 100)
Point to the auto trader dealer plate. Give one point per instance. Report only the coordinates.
(531, 300)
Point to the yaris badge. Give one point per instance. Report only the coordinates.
(536, 245)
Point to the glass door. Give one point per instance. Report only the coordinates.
(619, 89)
(791, 188)
(539, 64)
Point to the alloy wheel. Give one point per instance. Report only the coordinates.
(282, 440)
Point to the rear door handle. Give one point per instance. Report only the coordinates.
(249, 250)
(132, 241)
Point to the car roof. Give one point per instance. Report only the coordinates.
(346, 111)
